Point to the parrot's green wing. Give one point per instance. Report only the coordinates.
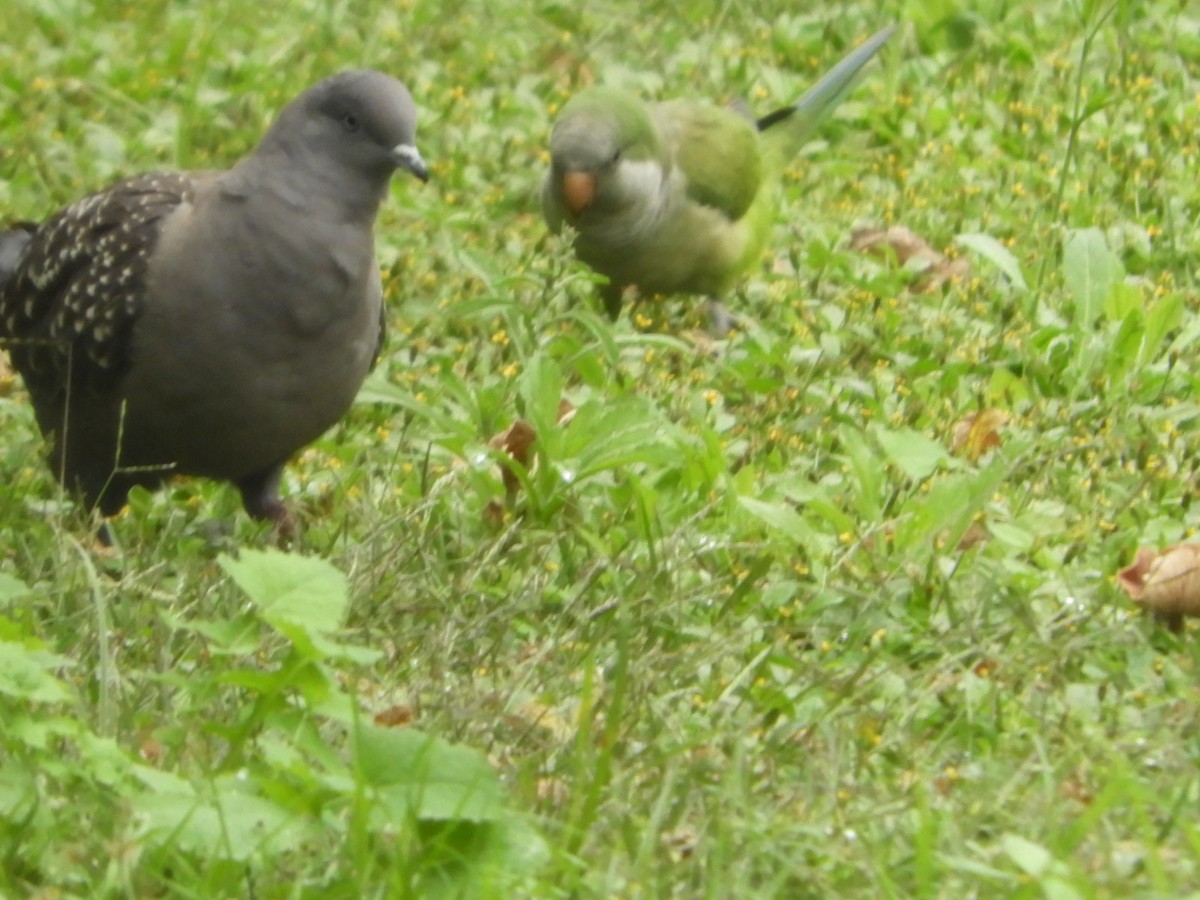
(718, 151)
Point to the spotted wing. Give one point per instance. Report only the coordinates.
(68, 307)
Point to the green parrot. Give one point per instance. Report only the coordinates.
(677, 197)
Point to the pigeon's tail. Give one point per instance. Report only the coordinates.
(13, 241)
(786, 130)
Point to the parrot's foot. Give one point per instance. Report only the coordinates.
(617, 296)
(720, 320)
(613, 296)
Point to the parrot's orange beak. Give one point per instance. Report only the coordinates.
(579, 189)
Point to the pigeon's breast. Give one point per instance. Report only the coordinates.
(255, 342)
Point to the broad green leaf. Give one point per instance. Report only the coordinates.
(1125, 347)
(1083, 701)
(11, 588)
(107, 762)
(1013, 535)
(483, 266)
(1123, 300)
(1188, 337)
(541, 387)
(913, 453)
(938, 518)
(424, 777)
(377, 389)
(19, 795)
(975, 867)
(814, 499)
(291, 590)
(41, 730)
(1033, 859)
(1164, 316)
(1006, 389)
(225, 823)
(780, 516)
(1090, 271)
(232, 636)
(603, 436)
(869, 476)
(352, 653)
(1058, 889)
(997, 254)
(24, 674)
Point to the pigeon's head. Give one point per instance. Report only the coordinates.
(601, 135)
(362, 120)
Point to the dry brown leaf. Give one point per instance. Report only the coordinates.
(151, 750)
(702, 341)
(1167, 582)
(905, 244)
(494, 513)
(680, 843)
(943, 784)
(1075, 788)
(975, 534)
(395, 716)
(985, 668)
(553, 791)
(978, 433)
(517, 440)
(540, 715)
(932, 278)
(104, 551)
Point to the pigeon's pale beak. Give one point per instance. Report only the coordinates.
(406, 156)
(579, 189)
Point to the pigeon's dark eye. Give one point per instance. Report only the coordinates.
(350, 122)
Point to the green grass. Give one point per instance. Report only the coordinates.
(726, 640)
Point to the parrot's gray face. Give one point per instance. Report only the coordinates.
(585, 153)
(596, 173)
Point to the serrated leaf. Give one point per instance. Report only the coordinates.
(24, 675)
(229, 636)
(107, 762)
(291, 590)
(603, 436)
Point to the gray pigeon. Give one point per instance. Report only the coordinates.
(211, 323)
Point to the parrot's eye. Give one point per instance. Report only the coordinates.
(350, 122)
